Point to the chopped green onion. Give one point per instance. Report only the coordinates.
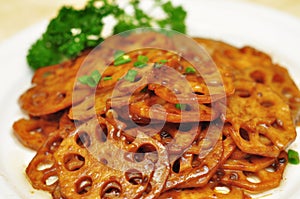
(95, 75)
(143, 58)
(141, 61)
(190, 70)
(121, 58)
(130, 76)
(118, 54)
(180, 106)
(163, 61)
(83, 79)
(107, 78)
(138, 64)
(90, 80)
(160, 63)
(293, 156)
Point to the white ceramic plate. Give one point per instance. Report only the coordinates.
(232, 21)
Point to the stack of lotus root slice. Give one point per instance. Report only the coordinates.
(156, 125)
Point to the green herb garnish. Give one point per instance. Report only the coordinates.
(141, 61)
(160, 63)
(107, 78)
(91, 80)
(74, 30)
(190, 70)
(181, 106)
(130, 76)
(121, 58)
(163, 61)
(118, 54)
(293, 156)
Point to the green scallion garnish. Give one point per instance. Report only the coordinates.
(160, 63)
(141, 61)
(130, 76)
(190, 70)
(118, 54)
(181, 106)
(91, 80)
(121, 58)
(107, 78)
(293, 156)
(163, 61)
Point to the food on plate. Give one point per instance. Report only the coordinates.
(147, 123)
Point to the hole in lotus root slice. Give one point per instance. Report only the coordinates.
(42, 176)
(83, 185)
(134, 176)
(54, 143)
(56, 194)
(262, 109)
(244, 134)
(259, 181)
(32, 133)
(242, 93)
(258, 76)
(111, 190)
(83, 139)
(176, 166)
(193, 171)
(52, 179)
(278, 78)
(73, 162)
(209, 191)
(114, 170)
(101, 133)
(146, 150)
(43, 164)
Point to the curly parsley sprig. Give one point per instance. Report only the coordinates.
(74, 30)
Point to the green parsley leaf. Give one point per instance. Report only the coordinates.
(74, 30)
(130, 76)
(293, 156)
